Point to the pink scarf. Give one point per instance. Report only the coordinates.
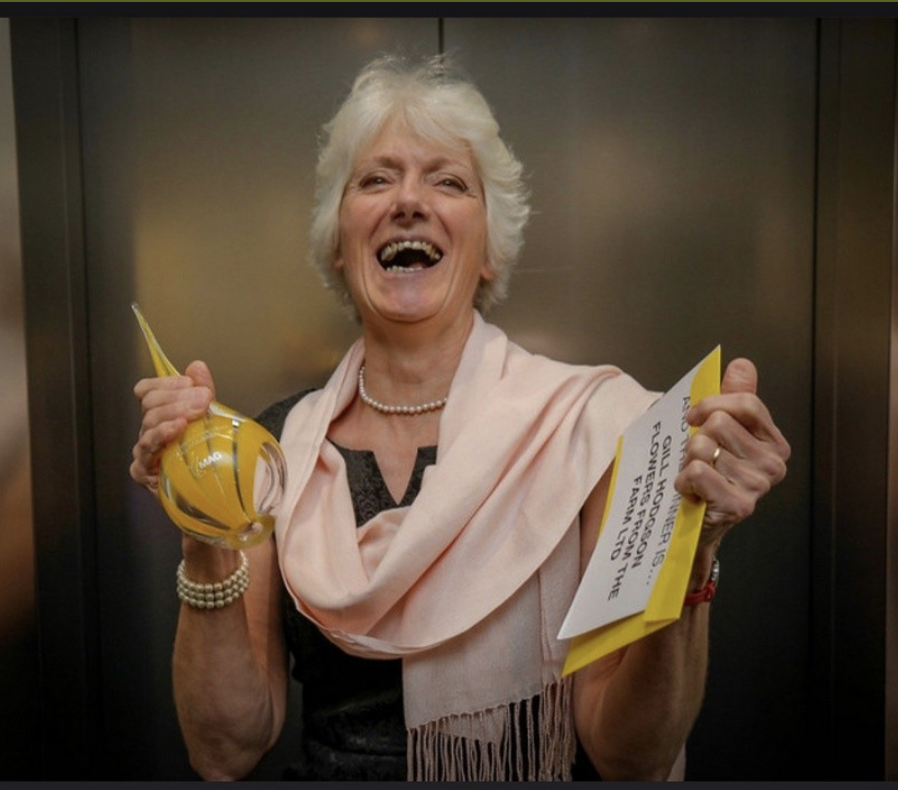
(470, 584)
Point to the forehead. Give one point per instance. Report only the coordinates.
(396, 141)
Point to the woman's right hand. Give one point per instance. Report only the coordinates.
(168, 404)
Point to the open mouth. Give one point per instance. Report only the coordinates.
(408, 256)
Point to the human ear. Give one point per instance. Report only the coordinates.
(487, 272)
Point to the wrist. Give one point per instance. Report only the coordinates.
(701, 566)
(205, 562)
(213, 595)
(706, 592)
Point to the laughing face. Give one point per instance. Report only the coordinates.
(413, 231)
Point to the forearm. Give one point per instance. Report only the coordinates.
(634, 723)
(226, 685)
(634, 720)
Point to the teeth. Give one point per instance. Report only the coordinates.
(394, 248)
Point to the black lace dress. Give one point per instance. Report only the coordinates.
(353, 723)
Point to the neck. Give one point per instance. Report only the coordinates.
(413, 365)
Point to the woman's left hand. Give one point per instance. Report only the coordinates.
(737, 454)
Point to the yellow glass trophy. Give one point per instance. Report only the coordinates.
(221, 480)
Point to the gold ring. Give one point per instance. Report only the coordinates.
(715, 456)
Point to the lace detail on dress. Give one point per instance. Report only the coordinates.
(370, 494)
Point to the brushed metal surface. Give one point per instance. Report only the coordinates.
(18, 611)
(855, 439)
(671, 163)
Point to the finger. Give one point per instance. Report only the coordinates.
(742, 436)
(168, 406)
(734, 444)
(740, 376)
(141, 477)
(166, 416)
(745, 408)
(731, 490)
(159, 405)
(149, 447)
(752, 477)
(701, 447)
(152, 442)
(199, 372)
(738, 397)
(148, 385)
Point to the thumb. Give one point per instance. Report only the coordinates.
(740, 376)
(201, 375)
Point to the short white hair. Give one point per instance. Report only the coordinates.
(436, 104)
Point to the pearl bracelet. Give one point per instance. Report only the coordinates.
(213, 595)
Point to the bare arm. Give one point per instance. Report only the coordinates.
(230, 664)
(635, 711)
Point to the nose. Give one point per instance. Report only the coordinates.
(410, 202)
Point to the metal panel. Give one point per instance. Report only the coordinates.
(199, 148)
(47, 137)
(672, 169)
(855, 501)
(19, 732)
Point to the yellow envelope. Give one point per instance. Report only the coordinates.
(666, 600)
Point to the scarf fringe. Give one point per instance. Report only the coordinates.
(448, 749)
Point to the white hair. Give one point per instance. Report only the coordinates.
(439, 107)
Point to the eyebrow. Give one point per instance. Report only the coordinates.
(392, 163)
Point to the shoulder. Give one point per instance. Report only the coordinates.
(272, 417)
(602, 380)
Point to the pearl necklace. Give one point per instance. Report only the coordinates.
(384, 409)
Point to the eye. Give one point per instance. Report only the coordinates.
(452, 182)
(373, 180)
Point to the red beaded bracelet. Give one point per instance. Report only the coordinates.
(706, 593)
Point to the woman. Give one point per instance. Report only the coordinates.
(445, 492)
